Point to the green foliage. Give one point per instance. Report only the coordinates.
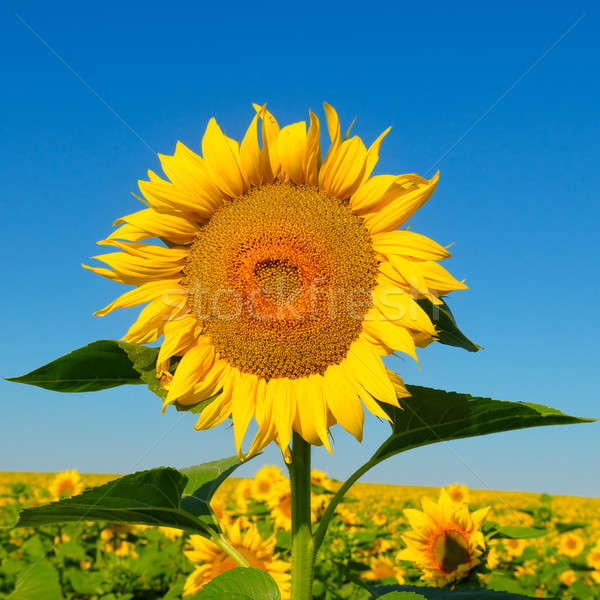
(37, 581)
(512, 532)
(203, 481)
(430, 416)
(441, 594)
(150, 497)
(240, 584)
(443, 319)
(98, 366)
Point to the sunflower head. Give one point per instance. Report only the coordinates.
(278, 278)
(210, 560)
(458, 493)
(571, 545)
(445, 540)
(66, 484)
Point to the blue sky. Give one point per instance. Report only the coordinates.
(503, 101)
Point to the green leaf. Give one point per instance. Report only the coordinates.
(97, 366)
(402, 596)
(240, 584)
(38, 581)
(443, 319)
(149, 497)
(143, 360)
(431, 416)
(89, 583)
(203, 481)
(384, 591)
(564, 527)
(512, 532)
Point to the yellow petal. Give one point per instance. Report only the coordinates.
(284, 409)
(151, 321)
(222, 161)
(333, 124)
(342, 171)
(180, 334)
(166, 197)
(343, 402)
(134, 270)
(144, 293)
(178, 230)
(291, 146)
(149, 251)
(312, 156)
(191, 369)
(369, 194)
(250, 154)
(409, 243)
(243, 402)
(371, 372)
(311, 415)
(401, 203)
(270, 132)
(373, 154)
(392, 335)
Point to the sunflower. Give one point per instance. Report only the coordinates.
(66, 484)
(445, 541)
(211, 560)
(279, 279)
(571, 545)
(458, 493)
(593, 558)
(267, 483)
(382, 567)
(515, 547)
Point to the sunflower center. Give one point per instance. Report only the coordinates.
(281, 279)
(450, 550)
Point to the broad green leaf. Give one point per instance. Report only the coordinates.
(37, 581)
(203, 481)
(87, 583)
(431, 416)
(512, 532)
(443, 319)
(147, 497)
(98, 366)
(240, 584)
(143, 360)
(385, 591)
(564, 527)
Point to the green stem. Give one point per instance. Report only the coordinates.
(302, 539)
(220, 540)
(337, 498)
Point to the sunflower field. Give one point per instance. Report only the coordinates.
(520, 543)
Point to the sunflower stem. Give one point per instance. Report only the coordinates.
(220, 540)
(302, 538)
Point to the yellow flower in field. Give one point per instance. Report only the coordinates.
(266, 483)
(282, 280)
(212, 561)
(243, 494)
(593, 558)
(171, 533)
(381, 545)
(66, 484)
(571, 545)
(568, 578)
(122, 548)
(458, 493)
(493, 560)
(318, 478)
(383, 568)
(514, 547)
(379, 518)
(445, 540)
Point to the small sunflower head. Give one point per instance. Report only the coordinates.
(66, 484)
(445, 540)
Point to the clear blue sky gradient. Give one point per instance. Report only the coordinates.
(518, 195)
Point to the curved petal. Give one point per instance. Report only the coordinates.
(223, 161)
(176, 229)
(408, 243)
(250, 154)
(291, 146)
(151, 321)
(343, 169)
